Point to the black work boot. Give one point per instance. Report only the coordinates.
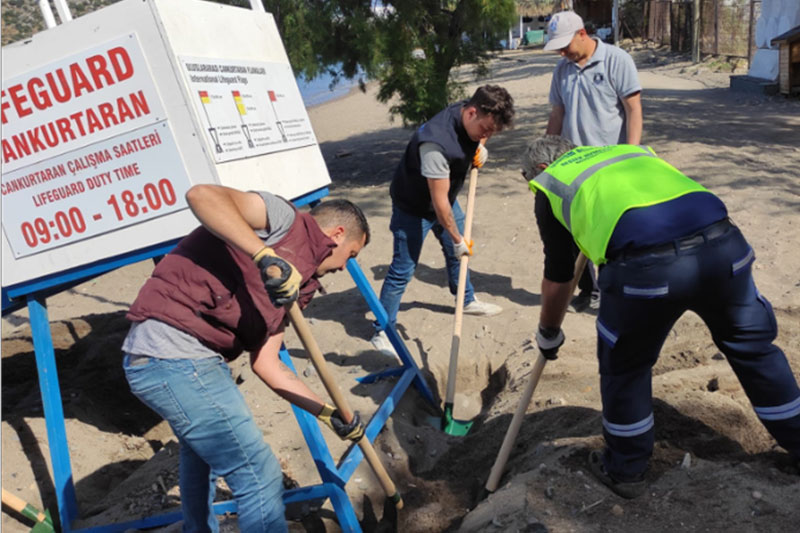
(626, 489)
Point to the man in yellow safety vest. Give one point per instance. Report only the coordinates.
(664, 245)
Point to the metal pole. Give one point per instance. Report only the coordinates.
(615, 21)
(63, 11)
(256, 5)
(47, 14)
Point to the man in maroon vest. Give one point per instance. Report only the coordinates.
(221, 291)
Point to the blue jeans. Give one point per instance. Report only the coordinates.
(641, 300)
(409, 233)
(218, 437)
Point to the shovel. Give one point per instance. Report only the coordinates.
(304, 332)
(450, 425)
(44, 524)
(525, 400)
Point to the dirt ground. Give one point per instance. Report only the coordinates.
(714, 468)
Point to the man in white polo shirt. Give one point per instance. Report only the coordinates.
(596, 99)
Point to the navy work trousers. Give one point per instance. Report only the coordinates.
(642, 298)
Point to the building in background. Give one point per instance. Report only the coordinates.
(777, 17)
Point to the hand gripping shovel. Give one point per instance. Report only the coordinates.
(304, 332)
(44, 524)
(450, 425)
(525, 400)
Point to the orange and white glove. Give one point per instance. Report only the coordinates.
(480, 157)
(463, 247)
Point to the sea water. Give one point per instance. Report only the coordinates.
(318, 91)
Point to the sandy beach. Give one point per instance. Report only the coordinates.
(714, 468)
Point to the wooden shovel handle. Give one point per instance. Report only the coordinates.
(310, 344)
(525, 400)
(455, 344)
(13, 501)
(23, 508)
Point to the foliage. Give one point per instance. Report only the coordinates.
(420, 43)
(409, 46)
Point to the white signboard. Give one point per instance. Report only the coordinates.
(86, 149)
(247, 108)
(100, 188)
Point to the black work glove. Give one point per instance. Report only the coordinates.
(332, 418)
(280, 277)
(549, 341)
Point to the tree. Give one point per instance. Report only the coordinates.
(421, 42)
(409, 46)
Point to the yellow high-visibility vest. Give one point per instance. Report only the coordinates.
(591, 187)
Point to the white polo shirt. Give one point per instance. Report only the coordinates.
(592, 96)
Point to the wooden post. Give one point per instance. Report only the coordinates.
(750, 34)
(696, 31)
(716, 27)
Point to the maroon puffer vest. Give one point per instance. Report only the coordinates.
(214, 292)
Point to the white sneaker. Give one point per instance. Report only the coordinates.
(580, 303)
(381, 343)
(594, 302)
(478, 308)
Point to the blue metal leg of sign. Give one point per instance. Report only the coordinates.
(53, 411)
(354, 455)
(400, 347)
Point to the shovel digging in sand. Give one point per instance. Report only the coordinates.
(310, 344)
(450, 425)
(525, 400)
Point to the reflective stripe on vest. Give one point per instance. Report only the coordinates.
(590, 187)
(567, 192)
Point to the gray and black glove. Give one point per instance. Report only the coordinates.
(549, 341)
(280, 277)
(332, 418)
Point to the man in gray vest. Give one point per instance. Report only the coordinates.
(424, 190)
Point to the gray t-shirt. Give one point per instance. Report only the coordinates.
(592, 96)
(157, 339)
(433, 163)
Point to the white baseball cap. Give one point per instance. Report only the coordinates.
(562, 29)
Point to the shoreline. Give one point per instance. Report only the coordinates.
(336, 96)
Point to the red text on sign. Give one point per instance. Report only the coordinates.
(62, 85)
